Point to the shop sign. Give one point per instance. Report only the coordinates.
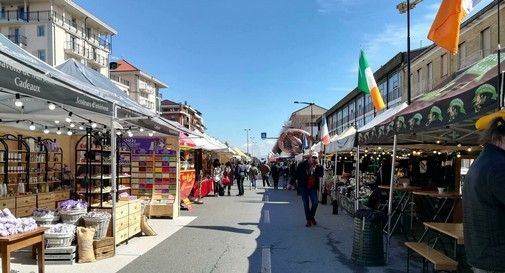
(25, 81)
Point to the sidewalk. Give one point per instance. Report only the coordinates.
(125, 253)
(326, 247)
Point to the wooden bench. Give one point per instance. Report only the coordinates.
(439, 260)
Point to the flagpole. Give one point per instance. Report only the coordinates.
(408, 52)
(500, 91)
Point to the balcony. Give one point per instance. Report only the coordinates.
(18, 39)
(74, 49)
(16, 16)
(97, 59)
(145, 88)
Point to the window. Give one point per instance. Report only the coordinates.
(444, 65)
(41, 54)
(394, 87)
(461, 55)
(360, 110)
(351, 112)
(429, 74)
(41, 31)
(485, 42)
(420, 87)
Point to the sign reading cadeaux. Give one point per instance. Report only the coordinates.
(24, 80)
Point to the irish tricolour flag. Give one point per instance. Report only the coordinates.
(367, 84)
(445, 28)
(325, 135)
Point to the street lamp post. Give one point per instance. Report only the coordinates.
(402, 8)
(247, 139)
(311, 115)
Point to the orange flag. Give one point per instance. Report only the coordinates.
(445, 29)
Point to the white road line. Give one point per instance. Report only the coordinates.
(266, 260)
(267, 217)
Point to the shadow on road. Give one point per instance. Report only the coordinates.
(224, 228)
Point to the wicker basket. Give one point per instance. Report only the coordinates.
(101, 225)
(72, 216)
(46, 220)
(58, 239)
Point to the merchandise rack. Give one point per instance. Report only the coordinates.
(17, 162)
(93, 167)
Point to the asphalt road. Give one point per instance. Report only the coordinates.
(258, 232)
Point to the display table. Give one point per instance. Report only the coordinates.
(201, 189)
(444, 198)
(405, 199)
(12, 243)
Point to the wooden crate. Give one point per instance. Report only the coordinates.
(60, 255)
(104, 248)
(159, 210)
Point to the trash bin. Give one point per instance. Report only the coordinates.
(368, 246)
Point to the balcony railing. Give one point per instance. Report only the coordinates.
(73, 47)
(18, 39)
(46, 15)
(15, 15)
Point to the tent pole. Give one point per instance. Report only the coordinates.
(356, 190)
(336, 162)
(113, 172)
(390, 201)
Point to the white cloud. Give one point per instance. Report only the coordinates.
(326, 6)
(260, 148)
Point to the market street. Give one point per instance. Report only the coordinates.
(238, 234)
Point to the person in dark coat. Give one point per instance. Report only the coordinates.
(276, 173)
(484, 203)
(308, 174)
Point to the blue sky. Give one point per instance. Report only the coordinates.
(242, 63)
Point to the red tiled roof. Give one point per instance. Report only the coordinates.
(123, 66)
(168, 102)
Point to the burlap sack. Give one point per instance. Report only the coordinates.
(85, 244)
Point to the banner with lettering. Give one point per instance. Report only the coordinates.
(186, 180)
(26, 81)
(156, 145)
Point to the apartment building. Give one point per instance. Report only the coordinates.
(56, 30)
(184, 114)
(306, 118)
(139, 85)
(478, 38)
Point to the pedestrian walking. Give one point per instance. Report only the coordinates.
(253, 172)
(265, 172)
(308, 174)
(484, 203)
(217, 175)
(228, 176)
(248, 169)
(275, 174)
(292, 175)
(284, 175)
(241, 173)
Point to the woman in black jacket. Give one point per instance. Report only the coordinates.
(484, 203)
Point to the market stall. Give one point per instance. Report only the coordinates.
(52, 121)
(440, 124)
